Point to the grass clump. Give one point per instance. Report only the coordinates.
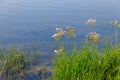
(87, 64)
(90, 62)
(15, 64)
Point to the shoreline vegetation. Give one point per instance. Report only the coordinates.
(21, 64)
(89, 62)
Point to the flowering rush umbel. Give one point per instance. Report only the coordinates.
(91, 22)
(93, 36)
(56, 37)
(115, 23)
(59, 50)
(70, 31)
(59, 33)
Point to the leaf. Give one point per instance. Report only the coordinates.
(119, 25)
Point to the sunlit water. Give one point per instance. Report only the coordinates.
(27, 22)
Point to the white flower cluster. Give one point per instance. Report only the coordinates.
(115, 23)
(59, 33)
(93, 36)
(91, 22)
(59, 50)
(70, 31)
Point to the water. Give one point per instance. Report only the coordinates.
(34, 21)
(28, 22)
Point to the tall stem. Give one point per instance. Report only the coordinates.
(116, 37)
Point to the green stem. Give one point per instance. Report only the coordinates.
(57, 44)
(116, 37)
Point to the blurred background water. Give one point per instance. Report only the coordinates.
(27, 22)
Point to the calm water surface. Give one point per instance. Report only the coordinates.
(27, 22)
(34, 21)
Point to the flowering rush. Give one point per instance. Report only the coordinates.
(93, 36)
(59, 50)
(115, 23)
(91, 22)
(59, 33)
(56, 37)
(70, 31)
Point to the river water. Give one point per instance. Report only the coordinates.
(26, 22)
(29, 22)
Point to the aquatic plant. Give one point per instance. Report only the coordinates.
(59, 50)
(92, 36)
(91, 22)
(15, 64)
(59, 33)
(87, 64)
(35, 56)
(115, 24)
(70, 31)
(56, 37)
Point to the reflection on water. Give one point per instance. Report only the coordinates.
(26, 21)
